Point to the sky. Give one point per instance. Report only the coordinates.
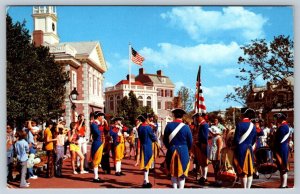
(174, 39)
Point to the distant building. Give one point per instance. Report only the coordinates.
(153, 90)
(273, 98)
(83, 60)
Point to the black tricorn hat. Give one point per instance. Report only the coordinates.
(178, 110)
(117, 119)
(199, 114)
(98, 113)
(280, 115)
(143, 117)
(248, 112)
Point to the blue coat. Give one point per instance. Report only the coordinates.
(146, 137)
(96, 133)
(203, 137)
(182, 143)
(282, 149)
(241, 149)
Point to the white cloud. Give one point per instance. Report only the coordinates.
(201, 24)
(207, 54)
(178, 85)
(214, 97)
(108, 84)
(227, 72)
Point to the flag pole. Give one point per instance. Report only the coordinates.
(129, 67)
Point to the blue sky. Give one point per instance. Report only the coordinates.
(175, 39)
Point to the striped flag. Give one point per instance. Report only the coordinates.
(136, 57)
(199, 99)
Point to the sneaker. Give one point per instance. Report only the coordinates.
(33, 177)
(24, 186)
(75, 172)
(84, 172)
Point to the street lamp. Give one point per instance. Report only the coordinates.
(73, 96)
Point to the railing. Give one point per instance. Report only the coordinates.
(133, 87)
(63, 48)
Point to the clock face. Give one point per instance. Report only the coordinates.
(53, 26)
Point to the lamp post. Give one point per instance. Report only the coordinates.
(73, 96)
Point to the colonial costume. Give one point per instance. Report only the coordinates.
(146, 139)
(201, 149)
(281, 148)
(178, 141)
(118, 143)
(97, 132)
(244, 139)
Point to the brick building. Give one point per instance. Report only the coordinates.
(273, 98)
(83, 60)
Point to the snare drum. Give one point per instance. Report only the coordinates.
(264, 161)
(226, 176)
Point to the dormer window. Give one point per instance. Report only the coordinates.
(163, 80)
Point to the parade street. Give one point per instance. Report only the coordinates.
(134, 178)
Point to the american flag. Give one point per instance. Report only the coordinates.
(199, 99)
(136, 57)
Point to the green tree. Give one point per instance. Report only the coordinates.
(186, 97)
(273, 62)
(35, 83)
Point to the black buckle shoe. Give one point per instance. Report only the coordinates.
(202, 181)
(98, 180)
(122, 174)
(118, 174)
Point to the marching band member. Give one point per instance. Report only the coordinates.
(97, 132)
(146, 139)
(178, 141)
(281, 148)
(201, 150)
(244, 138)
(116, 132)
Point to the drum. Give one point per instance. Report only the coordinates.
(226, 176)
(264, 161)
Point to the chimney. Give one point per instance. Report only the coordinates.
(132, 78)
(38, 38)
(159, 72)
(141, 71)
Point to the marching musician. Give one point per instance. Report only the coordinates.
(97, 132)
(281, 148)
(116, 132)
(178, 141)
(244, 139)
(201, 149)
(146, 153)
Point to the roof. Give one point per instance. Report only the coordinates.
(125, 82)
(83, 47)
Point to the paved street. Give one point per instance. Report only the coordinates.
(134, 178)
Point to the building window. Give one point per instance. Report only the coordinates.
(118, 101)
(159, 105)
(111, 103)
(90, 84)
(163, 80)
(140, 99)
(74, 79)
(167, 93)
(168, 105)
(95, 85)
(99, 87)
(171, 93)
(149, 101)
(158, 92)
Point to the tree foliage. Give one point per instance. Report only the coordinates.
(186, 97)
(129, 109)
(35, 83)
(272, 62)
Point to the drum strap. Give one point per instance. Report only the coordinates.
(176, 130)
(245, 135)
(285, 137)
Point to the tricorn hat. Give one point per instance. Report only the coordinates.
(199, 114)
(280, 115)
(98, 113)
(178, 112)
(143, 117)
(117, 119)
(248, 112)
